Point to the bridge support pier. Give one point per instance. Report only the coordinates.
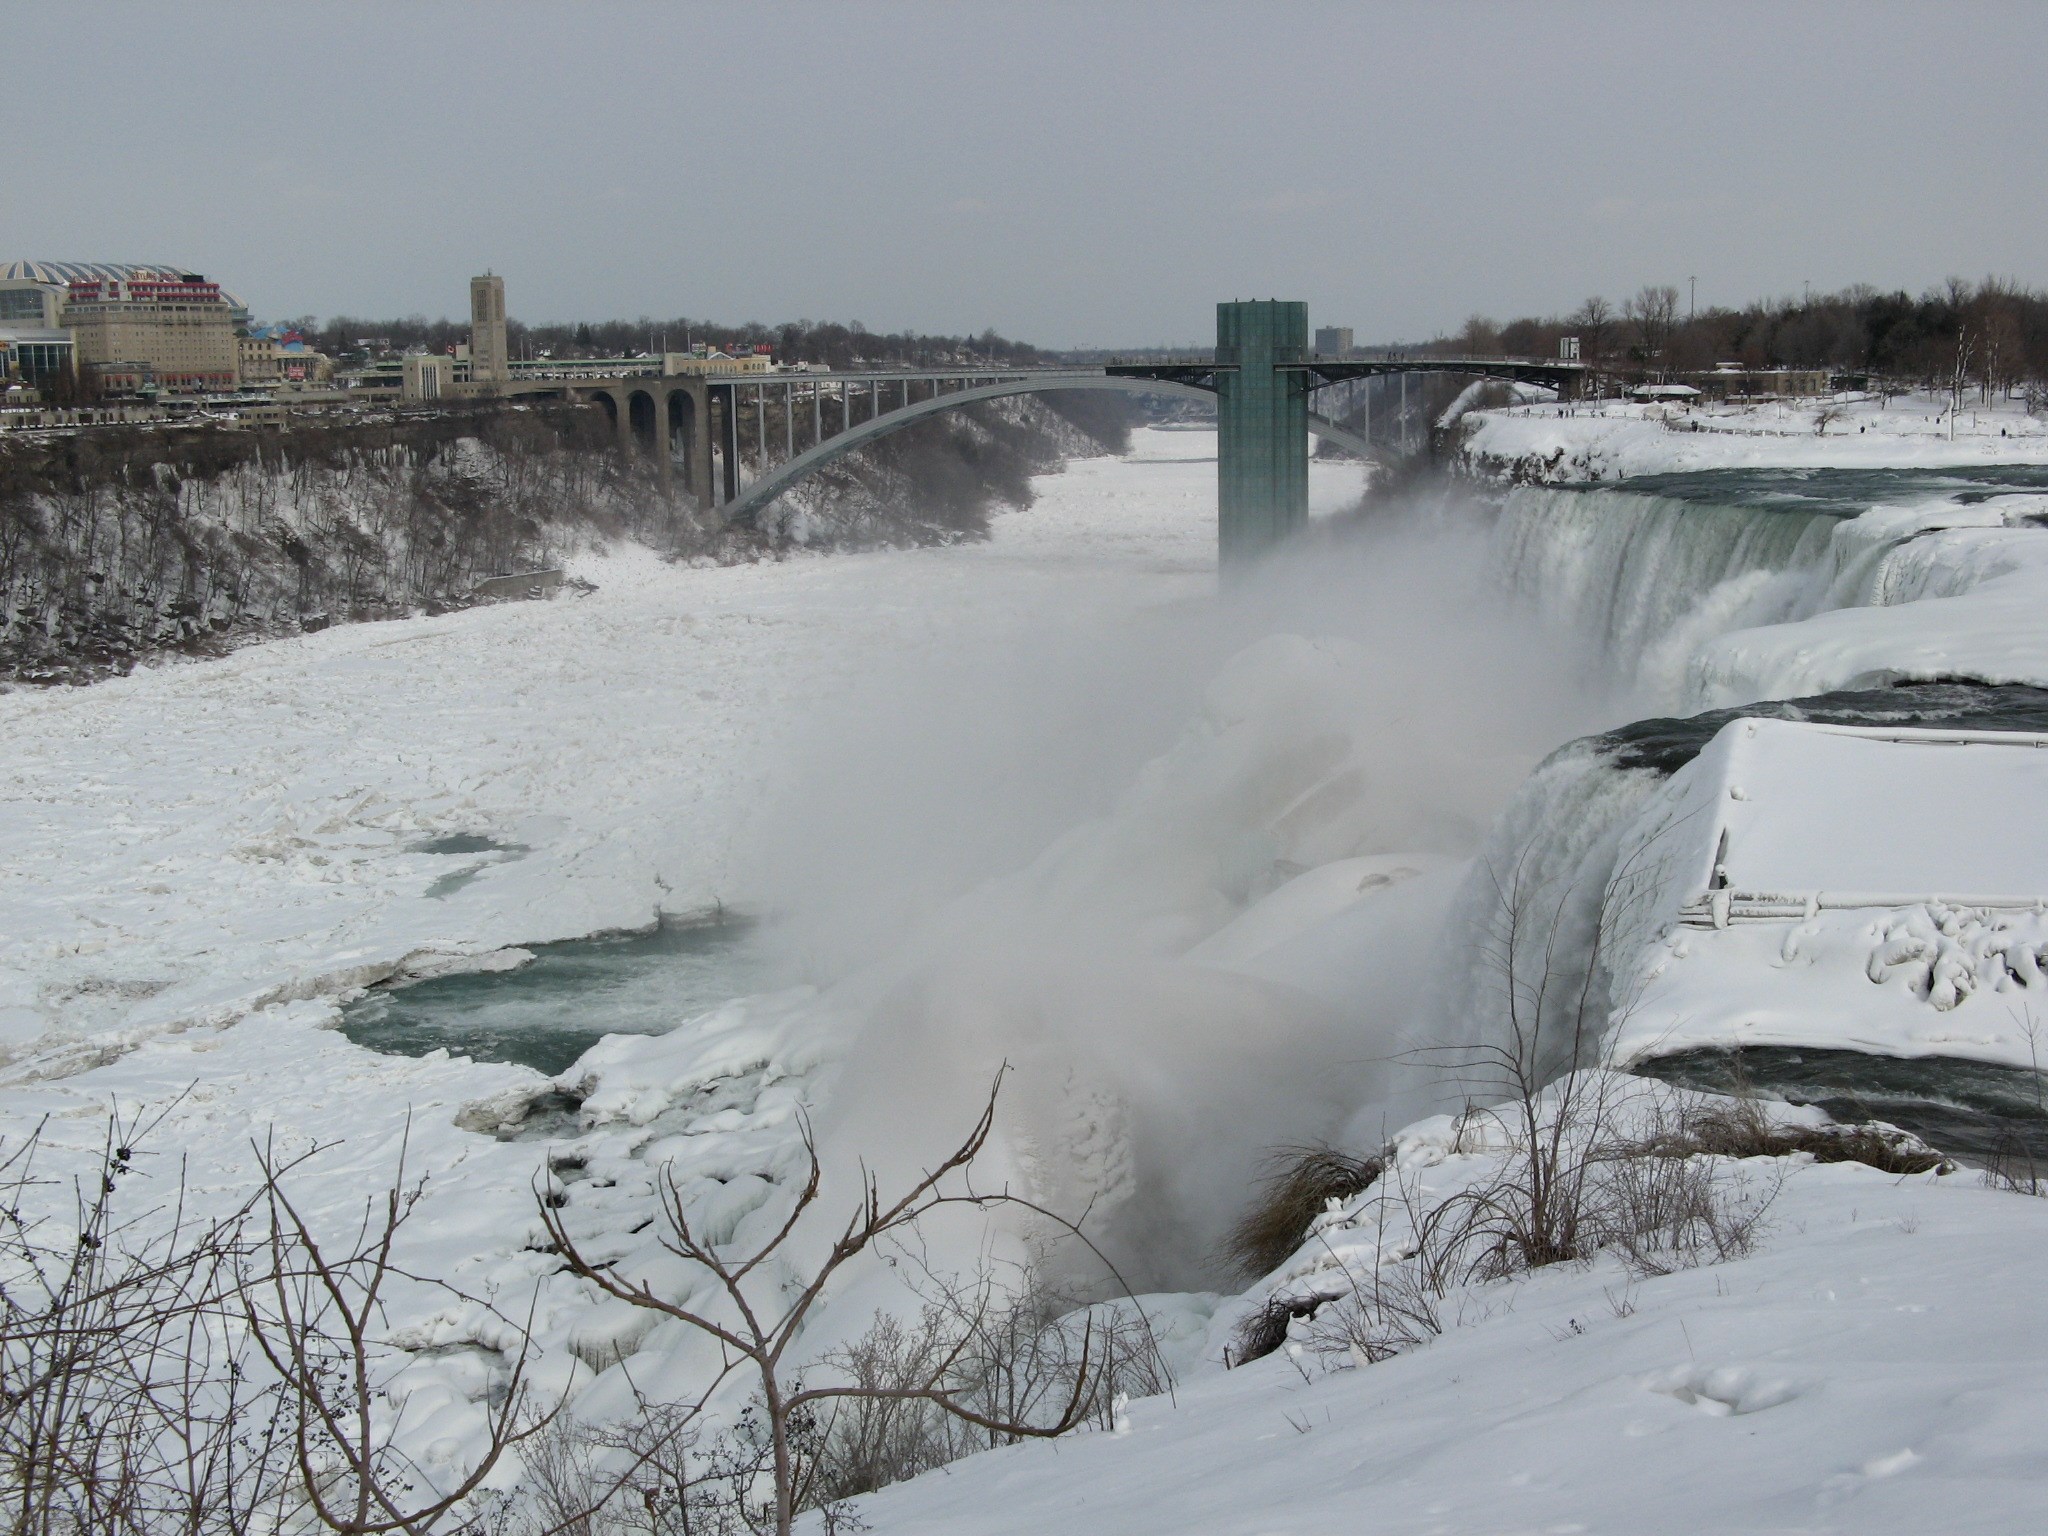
(622, 418)
(700, 455)
(1261, 428)
(729, 438)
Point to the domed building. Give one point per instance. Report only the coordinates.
(134, 325)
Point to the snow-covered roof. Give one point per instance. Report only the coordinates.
(1858, 808)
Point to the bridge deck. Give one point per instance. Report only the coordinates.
(1334, 370)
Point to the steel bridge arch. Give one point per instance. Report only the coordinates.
(754, 497)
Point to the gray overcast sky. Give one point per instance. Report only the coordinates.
(1067, 173)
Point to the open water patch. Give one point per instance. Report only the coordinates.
(1974, 1109)
(1836, 492)
(548, 1012)
(480, 851)
(464, 842)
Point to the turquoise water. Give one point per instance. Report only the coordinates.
(549, 1012)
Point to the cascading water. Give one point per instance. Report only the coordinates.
(1627, 569)
(1650, 577)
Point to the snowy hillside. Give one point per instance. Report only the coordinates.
(1871, 1366)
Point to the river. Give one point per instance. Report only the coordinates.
(1642, 577)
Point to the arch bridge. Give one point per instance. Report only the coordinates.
(1261, 377)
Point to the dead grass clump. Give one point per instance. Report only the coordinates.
(2012, 1167)
(1299, 1184)
(1742, 1129)
(1666, 1213)
(1265, 1330)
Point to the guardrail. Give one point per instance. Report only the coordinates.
(1719, 909)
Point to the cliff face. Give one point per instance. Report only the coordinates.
(125, 542)
(941, 479)
(118, 543)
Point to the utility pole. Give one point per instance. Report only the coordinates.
(1692, 303)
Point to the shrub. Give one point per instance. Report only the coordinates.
(1742, 1128)
(1299, 1184)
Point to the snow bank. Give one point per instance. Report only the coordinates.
(1871, 1367)
(1860, 889)
(1614, 440)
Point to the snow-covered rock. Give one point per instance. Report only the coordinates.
(1855, 888)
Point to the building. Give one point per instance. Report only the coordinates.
(1668, 394)
(170, 331)
(274, 354)
(1333, 341)
(489, 359)
(60, 275)
(740, 360)
(1732, 381)
(36, 355)
(26, 301)
(428, 376)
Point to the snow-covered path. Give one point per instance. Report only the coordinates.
(194, 841)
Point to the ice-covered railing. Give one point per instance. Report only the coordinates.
(1717, 909)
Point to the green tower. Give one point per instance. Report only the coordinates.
(1261, 427)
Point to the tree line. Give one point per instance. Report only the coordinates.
(1994, 333)
(826, 342)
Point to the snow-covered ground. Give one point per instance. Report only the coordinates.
(1202, 905)
(1614, 439)
(1873, 1366)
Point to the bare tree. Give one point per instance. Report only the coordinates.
(757, 1320)
(127, 1405)
(1480, 337)
(1593, 319)
(315, 1313)
(1959, 376)
(1578, 1162)
(1653, 311)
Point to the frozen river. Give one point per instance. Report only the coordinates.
(196, 841)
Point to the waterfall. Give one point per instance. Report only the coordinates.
(1648, 578)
